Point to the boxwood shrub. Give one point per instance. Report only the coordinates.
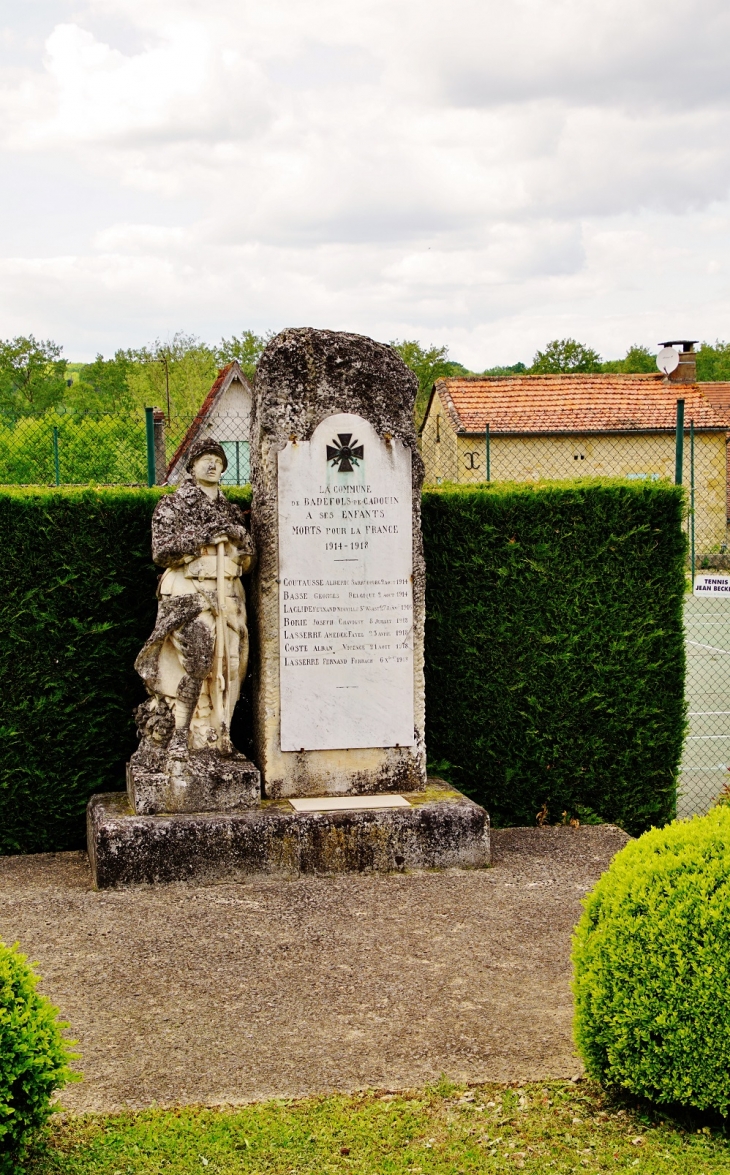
(34, 1058)
(652, 967)
(554, 647)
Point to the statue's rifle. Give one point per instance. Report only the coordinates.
(220, 624)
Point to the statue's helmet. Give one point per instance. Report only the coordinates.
(203, 446)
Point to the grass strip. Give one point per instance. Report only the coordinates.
(443, 1130)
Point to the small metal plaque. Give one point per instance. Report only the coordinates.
(347, 803)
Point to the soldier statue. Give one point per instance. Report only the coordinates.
(196, 658)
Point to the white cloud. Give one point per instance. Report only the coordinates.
(491, 173)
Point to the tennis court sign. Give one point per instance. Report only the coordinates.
(712, 585)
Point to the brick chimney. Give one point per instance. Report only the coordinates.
(686, 370)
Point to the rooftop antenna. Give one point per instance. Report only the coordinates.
(667, 360)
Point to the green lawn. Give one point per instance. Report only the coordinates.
(443, 1130)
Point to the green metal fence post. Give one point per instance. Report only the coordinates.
(150, 425)
(692, 494)
(56, 462)
(487, 453)
(679, 444)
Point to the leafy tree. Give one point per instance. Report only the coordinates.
(565, 355)
(713, 361)
(515, 369)
(175, 375)
(32, 375)
(246, 348)
(638, 360)
(427, 364)
(103, 385)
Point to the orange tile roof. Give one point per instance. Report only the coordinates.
(575, 404)
(718, 393)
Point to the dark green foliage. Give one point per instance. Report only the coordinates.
(33, 1058)
(427, 364)
(32, 375)
(713, 361)
(554, 648)
(514, 369)
(78, 604)
(103, 385)
(565, 355)
(247, 348)
(638, 360)
(652, 967)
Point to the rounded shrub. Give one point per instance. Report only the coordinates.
(34, 1057)
(651, 958)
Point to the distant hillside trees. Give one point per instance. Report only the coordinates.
(176, 374)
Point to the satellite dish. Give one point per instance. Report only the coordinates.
(667, 360)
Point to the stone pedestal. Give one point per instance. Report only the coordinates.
(200, 781)
(440, 828)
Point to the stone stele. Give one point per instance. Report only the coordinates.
(339, 588)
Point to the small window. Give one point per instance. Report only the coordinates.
(238, 455)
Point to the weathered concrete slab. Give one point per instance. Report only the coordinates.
(238, 991)
(439, 829)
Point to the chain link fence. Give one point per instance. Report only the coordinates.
(695, 454)
(146, 448)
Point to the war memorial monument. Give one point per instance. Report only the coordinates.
(336, 610)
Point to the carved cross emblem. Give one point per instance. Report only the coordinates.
(344, 455)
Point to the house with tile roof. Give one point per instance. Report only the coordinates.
(225, 415)
(555, 427)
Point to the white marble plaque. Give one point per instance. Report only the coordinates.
(348, 803)
(345, 589)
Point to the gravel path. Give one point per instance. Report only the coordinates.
(237, 992)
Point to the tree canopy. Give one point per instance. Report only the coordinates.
(32, 375)
(246, 348)
(638, 360)
(427, 364)
(713, 361)
(176, 374)
(565, 355)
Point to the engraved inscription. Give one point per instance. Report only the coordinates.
(345, 589)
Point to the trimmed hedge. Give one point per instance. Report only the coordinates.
(78, 604)
(554, 657)
(554, 647)
(651, 959)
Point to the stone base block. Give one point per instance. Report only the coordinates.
(203, 781)
(441, 828)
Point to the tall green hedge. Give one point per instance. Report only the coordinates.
(78, 602)
(554, 660)
(79, 595)
(554, 647)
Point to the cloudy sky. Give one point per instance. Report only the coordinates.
(488, 174)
